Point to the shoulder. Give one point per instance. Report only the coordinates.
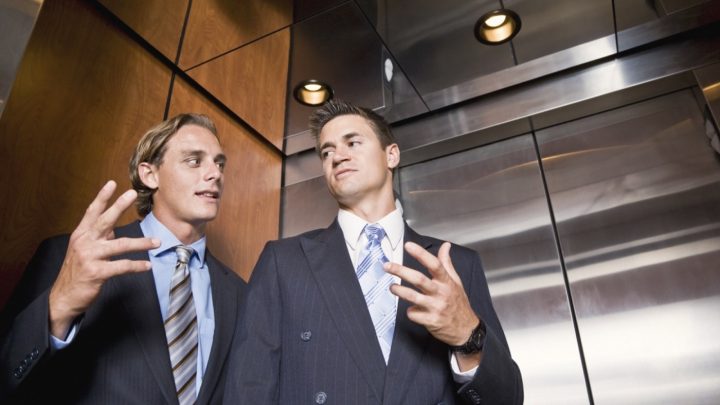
(435, 243)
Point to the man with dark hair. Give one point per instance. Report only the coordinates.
(89, 323)
(367, 311)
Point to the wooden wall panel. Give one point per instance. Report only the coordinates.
(218, 26)
(159, 22)
(83, 96)
(250, 208)
(252, 82)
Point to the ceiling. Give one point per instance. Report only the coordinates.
(436, 60)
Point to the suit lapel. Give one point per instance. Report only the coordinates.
(225, 298)
(332, 268)
(143, 309)
(410, 338)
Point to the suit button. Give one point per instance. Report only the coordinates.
(305, 337)
(474, 396)
(17, 374)
(25, 362)
(320, 397)
(35, 353)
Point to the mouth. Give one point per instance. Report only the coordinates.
(209, 194)
(343, 173)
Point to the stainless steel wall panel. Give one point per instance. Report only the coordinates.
(491, 199)
(635, 192)
(550, 27)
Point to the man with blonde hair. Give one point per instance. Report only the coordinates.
(140, 314)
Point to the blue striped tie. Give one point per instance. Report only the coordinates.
(375, 284)
(181, 329)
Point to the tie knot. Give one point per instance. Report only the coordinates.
(183, 254)
(374, 232)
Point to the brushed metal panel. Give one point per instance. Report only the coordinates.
(709, 80)
(635, 192)
(434, 41)
(17, 17)
(681, 20)
(305, 206)
(545, 95)
(552, 26)
(492, 199)
(339, 47)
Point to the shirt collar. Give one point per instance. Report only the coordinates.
(151, 227)
(352, 226)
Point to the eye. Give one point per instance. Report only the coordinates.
(193, 161)
(326, 154)
(353, 143)
(221, 165)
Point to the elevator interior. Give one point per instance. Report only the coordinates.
(580, 161)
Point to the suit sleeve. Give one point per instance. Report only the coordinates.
(254, 368)
(497, 379)
(24, 328)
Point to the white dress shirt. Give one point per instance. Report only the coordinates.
(352, 227)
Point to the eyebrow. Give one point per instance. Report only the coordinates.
(219, 157)
(344, 137)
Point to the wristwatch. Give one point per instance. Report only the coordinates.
(475, 343)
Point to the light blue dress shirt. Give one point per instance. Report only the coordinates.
(163, 260)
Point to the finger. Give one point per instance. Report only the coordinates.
(120, 246)
(107, 219)
(446, 261)
(418, 315)
(411, 276)
(97, 206)
(410, 295)
(428, 260)
(118, 267)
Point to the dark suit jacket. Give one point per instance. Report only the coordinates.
(307, 336)
(119, 354)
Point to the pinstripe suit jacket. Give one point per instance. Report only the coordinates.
(119, 355)
(307, 336)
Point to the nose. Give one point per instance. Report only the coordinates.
(340, 156)
(213, 172)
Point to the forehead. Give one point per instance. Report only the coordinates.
(343, 125)
(194, 137)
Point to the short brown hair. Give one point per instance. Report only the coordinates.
(335, 108)
(151, 149)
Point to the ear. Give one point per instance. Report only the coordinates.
(392, 153)
(148, 175)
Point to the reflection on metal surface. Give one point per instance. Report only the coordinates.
(546, 95)
(492, 199)
(340, 48)
(635, 192)
(17, 18)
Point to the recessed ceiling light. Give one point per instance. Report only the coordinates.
(497, 27)
(312, 92)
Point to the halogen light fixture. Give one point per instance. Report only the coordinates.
(497, 27)
(312, 92)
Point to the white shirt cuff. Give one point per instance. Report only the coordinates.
(461, 377)
(59, 344)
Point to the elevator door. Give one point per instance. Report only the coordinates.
(636, 196)
(492, 199)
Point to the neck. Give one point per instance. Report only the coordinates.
(185, 232)
(371, 209)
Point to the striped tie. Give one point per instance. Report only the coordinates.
(375, 284)
(181, 329)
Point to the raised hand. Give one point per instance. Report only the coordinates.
(440, 303)
(87, 263)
